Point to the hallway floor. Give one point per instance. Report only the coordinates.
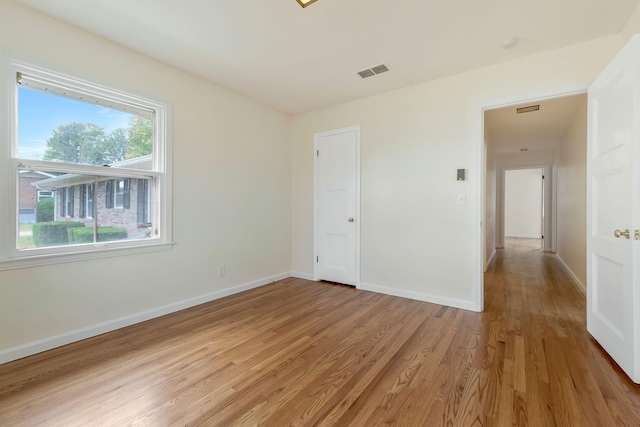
(558, 373)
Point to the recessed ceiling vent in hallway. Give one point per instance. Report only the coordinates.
(378, 69)
(528, 109)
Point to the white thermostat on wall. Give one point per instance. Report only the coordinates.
(462, 175)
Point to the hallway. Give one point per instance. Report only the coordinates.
(558, 373)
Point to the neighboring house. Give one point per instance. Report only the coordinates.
(29, 195)
(120, 202)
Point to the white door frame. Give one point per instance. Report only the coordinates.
(316, 137)
(480, 178)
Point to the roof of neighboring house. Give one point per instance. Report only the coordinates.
(67, 180)
(26, 173)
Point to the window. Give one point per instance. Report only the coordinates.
(44, 195)
(103, 163)
(68, 198)
(89, 200)
(121, 197)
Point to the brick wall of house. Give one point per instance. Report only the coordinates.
(28, 193)
(108, 217)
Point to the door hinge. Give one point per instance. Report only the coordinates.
(316, 258)
(317, 153)
(542, 176)
(542, 236)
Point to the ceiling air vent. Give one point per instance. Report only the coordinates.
(366, 73)
(528, 109)
(378, 69)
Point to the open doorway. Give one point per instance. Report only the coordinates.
(549, 134)
(524, 209)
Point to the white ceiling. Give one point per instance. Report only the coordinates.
(297, 60)
(539, 130)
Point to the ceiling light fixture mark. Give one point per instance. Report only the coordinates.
(528, 109)
(305, 3)
(509, 43)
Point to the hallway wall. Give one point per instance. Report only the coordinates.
(572, 196)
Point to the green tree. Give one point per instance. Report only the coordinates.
(106, 149)
(68, 141)
(86, 143)
(140, 134)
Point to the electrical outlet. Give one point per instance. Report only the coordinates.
(221, 270)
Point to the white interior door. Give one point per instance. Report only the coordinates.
(613, 307)
(336, 210)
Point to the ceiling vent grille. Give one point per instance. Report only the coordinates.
(528, 109)
(378, 69)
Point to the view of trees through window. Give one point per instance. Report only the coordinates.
(82, 208)
(87, 143)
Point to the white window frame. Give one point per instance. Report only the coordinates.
(161, 236)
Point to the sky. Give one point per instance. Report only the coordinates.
(40, 113)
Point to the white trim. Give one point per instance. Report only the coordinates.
(478, 217)
(419, 296)
(300, 275)
(355, 128)
(581, 286)
(49, 343)
(541, 95)
(99, 251)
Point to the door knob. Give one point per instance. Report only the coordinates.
(350, 220)
(624, 233)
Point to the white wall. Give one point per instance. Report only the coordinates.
(523, 203)
(232, 195)
(415, 240)
(572, 192)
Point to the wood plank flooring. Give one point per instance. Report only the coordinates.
(303, 353)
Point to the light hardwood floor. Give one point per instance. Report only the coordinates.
(305, 353)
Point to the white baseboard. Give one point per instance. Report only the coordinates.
(490, 260)
(45, 344)
(451, 302)
(581, 287)
(300, 275)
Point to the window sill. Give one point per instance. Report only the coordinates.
(37, 260)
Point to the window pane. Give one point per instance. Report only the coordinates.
(66, 129)
(57, 220)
